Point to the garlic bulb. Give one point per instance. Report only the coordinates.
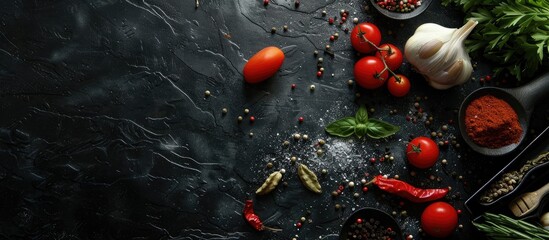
(545, 220)
(438, 54)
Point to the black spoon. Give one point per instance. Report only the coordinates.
(366, 214)
(521, 99)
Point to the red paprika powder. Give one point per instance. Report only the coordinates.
(491, 122)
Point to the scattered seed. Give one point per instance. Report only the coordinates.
(286, 143)
(319, 152)
(246, 111)
(320, 60)
(350, 82)
(312, 87)
(297, 136)
(351, 184)
(283, 171)
(207, 93)
(239, 118)
(328, 47)
(324, 13)
(285, 28)
(224, 111)
(321, 142)
(269, 165)
(444, 161)
(355, 20)
(251, 134)
(273, 30)
(324, 171)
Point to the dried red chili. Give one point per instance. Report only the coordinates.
(253, 219)
(491, 122)
(405, 190)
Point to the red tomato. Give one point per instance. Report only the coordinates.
(393, 55)
(422, 152)
(371, 32)
(399, 86)
(367, 72)
(263, 65)
(439, 219)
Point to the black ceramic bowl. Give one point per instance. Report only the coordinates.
(402, 16)
(366, 214)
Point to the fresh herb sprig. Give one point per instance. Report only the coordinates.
(498, 226)
(512, 33)
(361, 126)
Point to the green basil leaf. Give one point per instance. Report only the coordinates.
(342, 128)
(380, 129)
(360, 130)
(361, 115)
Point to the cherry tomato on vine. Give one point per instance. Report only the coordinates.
(439, 219)
(393, 55)
(372, 34)
(368, 72)
(263, 65)
(398, 86)
(422, 152)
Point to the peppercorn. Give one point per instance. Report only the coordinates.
(305, 137)
(207, 93)
(273, 30)
(312, 87)
(239, 118)
(269, 165)
(319, 152)
(297, 136)
(224, 111)
(285, 143)
(324, 13)
(285, 28)
(350, 82)
(251, 134)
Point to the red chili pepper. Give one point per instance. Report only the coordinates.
(253, 219)
(405, 190)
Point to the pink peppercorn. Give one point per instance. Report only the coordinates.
(265, 2)
(293, 86)
(252, 119)
(300, 119)
(332, 38)
(319, 74)
(298, 224)
(365, 189)
(331, 20)
(359, 220)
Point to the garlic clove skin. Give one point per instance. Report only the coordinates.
(438, 54)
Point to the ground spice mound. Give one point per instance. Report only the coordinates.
(491, 122)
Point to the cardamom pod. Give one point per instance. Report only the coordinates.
(270, 183)
(308, 178)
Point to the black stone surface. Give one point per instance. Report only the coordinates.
(105, 131)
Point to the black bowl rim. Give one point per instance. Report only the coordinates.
(402, 16)
(389, 220)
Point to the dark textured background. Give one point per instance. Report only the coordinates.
(105, 132)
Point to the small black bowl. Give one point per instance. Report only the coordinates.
(384, 219)
(402, 16)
